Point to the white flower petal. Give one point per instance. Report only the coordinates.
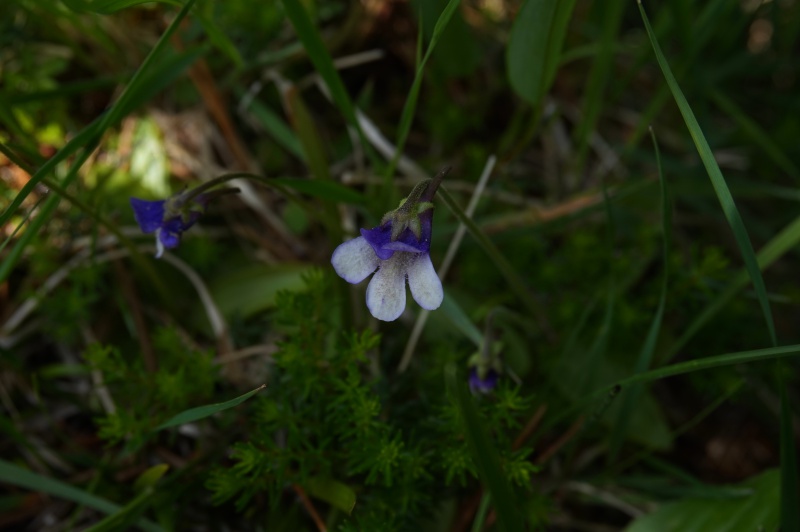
(159, 244)
(386, 293)
(354, 260)
(425, 284)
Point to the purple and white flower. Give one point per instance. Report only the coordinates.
(482, 381)
(398, 249)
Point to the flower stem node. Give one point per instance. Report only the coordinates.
(398, 249)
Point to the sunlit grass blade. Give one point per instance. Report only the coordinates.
(85, 140)
(17, 476)
(200, 412)
(631, 396)
(718, 182)
(485, 454)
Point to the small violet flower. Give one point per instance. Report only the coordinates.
(482, 383)
(168, 218)
(485, 366)
(398, 249)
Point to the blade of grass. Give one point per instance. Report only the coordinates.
(485, 455)
(321, 59)
(594, 100)
(407, 115)
(631, 397)
(505, 267)
(17, 476)
(760, 137)
(717, 180)
(200, 412)
(86, 139)
(773, 250)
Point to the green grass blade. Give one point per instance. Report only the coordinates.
(773, 250)
(702, 364)
(17, 476)
(410, 106)
(749, 127)
(599, 75)
(534, 47)
(631, 398)
(790, 511)
(200, 412)
(318, 53)
(718, 182)
(484, 454)
(275, 126)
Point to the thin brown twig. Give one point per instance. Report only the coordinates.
(310, 508)
(530, 427)
(561, 442)
(135, 305)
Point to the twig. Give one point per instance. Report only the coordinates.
(530, 427)
(560, 442)
(310, 508)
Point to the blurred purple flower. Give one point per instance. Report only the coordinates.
(168, 218)
(485, 384)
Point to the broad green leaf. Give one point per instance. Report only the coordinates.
(757, 511)
(17, 476)
(485, 454)
(245, 291)
(194, 414)
(534, 47)
(333, 492)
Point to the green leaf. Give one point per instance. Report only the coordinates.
(333, 492)
(630, 398)
(460, 320)
(245, 291)
(410, 106)
(717, 180)
(150, 477)
(534, 47)
(485, 454)
(758, 511)
(275, 126)
(200, 412)
(322, 61)
(17, 476)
